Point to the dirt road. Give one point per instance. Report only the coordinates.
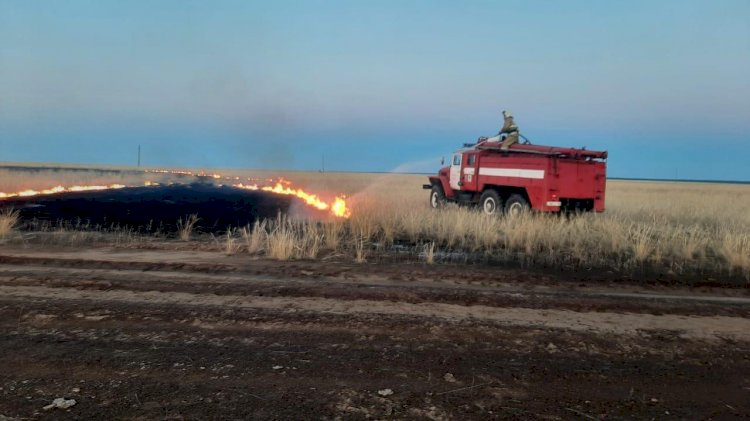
(198, 335)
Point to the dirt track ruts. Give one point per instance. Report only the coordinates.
(161, 334)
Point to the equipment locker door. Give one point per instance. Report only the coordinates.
(469, 171)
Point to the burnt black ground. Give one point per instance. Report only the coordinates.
(150, 209)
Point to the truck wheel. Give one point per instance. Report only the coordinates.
(516, 205)
(490, 202)
(437, 197)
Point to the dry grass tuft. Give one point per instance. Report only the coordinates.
(360, 250)
(185, 226)
(332, 234)
(735, 249)
(256, 237)
(9, 219)
(282, 239)
(429, 253)
(231, 245)
(285, 239)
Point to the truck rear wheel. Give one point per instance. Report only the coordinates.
(516, 205)
(490, 202)
(437, 197)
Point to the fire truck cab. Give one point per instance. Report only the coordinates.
(510, 177)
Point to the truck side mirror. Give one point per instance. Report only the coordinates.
(442, 161)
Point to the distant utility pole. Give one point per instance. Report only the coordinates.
(139, 156)
(322, 163)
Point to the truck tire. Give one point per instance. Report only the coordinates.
(437, 197)
(516, 205)
(490, 202)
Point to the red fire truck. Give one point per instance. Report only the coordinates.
(501, 174)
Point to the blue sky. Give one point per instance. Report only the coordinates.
(375, 86)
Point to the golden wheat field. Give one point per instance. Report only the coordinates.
(680, 229)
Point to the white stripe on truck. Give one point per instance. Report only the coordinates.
(512, 172)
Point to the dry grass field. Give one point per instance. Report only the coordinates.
(398, 312)
(690, 230)
(682, 229)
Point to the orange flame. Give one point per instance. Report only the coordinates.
(337, 208)
(58, 189)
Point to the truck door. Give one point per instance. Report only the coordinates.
(470, 172)
(455, 176)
